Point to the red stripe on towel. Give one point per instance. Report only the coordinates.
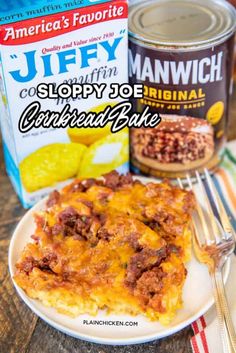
(195, 327)
(203, 322)
(194, 345)
(204, 341)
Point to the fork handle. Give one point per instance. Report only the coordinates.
(225, 321)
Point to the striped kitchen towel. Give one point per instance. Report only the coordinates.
(206, 337)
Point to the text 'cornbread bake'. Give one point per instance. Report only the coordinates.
(115, 233)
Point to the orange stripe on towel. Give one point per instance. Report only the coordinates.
(228, 187)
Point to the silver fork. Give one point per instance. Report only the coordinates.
(214, 242)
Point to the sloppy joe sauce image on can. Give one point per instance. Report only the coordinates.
(182, 52)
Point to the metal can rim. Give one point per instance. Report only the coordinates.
(181, 46)
(174, 48)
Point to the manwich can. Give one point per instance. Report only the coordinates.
(182, 52)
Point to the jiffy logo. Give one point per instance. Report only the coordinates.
(82, 57)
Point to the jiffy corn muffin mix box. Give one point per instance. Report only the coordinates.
(60, 41)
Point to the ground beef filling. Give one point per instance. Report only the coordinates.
(173, 147)
(114, 180)
(149, 286)
(53, 198)
(142, 261)
(81, 227)
(144, 276)
(45, 264)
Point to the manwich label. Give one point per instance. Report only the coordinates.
(190, 89)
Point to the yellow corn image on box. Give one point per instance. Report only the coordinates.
(45, 41)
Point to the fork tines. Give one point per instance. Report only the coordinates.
(213, 243)
(213, 220)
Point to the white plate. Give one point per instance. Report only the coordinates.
(118, 330)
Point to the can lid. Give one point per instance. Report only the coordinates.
(181, 22)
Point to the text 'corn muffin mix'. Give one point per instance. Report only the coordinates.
(60, 42)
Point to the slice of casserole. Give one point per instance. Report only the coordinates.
(113, 244)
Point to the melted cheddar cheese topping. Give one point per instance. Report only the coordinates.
(113, 244)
